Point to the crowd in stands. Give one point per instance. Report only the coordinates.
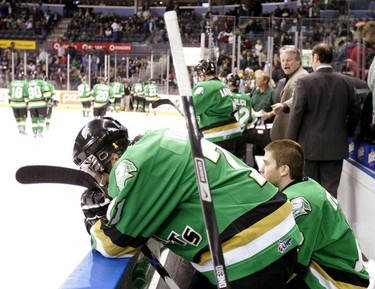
(20, 21)
(87, 26)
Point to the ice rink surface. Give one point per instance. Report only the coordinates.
(42, 234)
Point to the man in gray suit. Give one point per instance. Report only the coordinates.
(324, 112)
(291, 63)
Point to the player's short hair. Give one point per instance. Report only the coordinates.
(288, 152)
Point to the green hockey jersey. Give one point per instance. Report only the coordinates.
(38, 93)
(329, 250)
(151, 91)
(243, 105)
(18, 94)
(102, 95)
(214, 109)
(118, 89)
(84, 92)
(155, 194)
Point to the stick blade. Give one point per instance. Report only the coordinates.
(160, 102)
(36, 174)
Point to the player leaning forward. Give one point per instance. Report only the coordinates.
(153, 194)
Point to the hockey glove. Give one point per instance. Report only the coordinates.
(94, 205)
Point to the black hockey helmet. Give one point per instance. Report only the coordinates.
(205, 67)
(233, 80)
(97, 141)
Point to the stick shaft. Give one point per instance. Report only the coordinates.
(185, 90)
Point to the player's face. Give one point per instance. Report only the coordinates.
(270, 170)
(114, 159)
(289, 62)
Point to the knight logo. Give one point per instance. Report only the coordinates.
(283, 245)
(361, 152)
(85, 132)
(300, 206)
(371, 157)
(123, 172)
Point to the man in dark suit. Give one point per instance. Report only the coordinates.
(324, 112)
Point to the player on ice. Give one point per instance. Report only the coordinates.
(38, 95)
(17, 99)
(153, 193)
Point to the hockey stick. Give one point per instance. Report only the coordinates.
(164, 101)
(60, 175)
(208, 210)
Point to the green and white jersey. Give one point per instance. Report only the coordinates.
(138, 89)
(118, 89)
(329, 249)
(84, 92)
(214, 109)
(243, 104)
(38, 93)
(151, 91)
(155, 194)
(18, 93)
(102, 95)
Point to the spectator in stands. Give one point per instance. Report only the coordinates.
(321, 131)
(291, 63)
(363, 53)
(42, 56)
(108, 33)
(84, 37)
(258, 46)
(61, 50)
(71, 51)
(116, 30)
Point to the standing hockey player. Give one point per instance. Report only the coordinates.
(153, 193)
(241, 100)
(243, 115)
(52, 101)
(138, 93)
(17, 99)
(102, 97)
(151, 94)
(38, 94)
(84, 94)
(214, 108)
(329, 256)
(118, 91)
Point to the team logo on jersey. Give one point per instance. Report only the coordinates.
(283, 245)
(300, 206)
(123, 172)
(199, 90)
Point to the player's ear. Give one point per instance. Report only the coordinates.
(284, 170)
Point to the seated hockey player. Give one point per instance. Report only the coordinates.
(329, 256)
(153, 193)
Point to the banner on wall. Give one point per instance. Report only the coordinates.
(110, 47)
(18, 44)
(69, 97)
